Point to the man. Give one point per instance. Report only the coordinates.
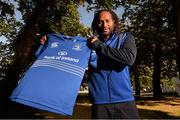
(109, 87)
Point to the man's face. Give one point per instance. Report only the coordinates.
(105, 24)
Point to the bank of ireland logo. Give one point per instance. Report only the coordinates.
(62, 53)
(54, 45)
(77, 47)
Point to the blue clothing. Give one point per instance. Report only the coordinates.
(109, 70)
(52, 82)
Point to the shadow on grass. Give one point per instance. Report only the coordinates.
(19, 111)
(155, 114)
(150, 101)
(82, 110)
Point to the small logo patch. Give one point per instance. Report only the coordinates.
(77, 47)
(54, 45)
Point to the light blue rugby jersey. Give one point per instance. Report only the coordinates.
(52, 82)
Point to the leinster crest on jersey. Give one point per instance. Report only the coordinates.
(54, 45)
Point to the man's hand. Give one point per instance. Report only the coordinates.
(91, 40)
(43, 40)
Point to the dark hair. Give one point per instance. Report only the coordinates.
(114, 17)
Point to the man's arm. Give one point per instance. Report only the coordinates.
(125, 55)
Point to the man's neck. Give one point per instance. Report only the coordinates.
(104, 38)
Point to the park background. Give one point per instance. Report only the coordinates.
(154, 23)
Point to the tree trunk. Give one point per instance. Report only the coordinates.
(177, 19)
(137, 83)
(157, 92)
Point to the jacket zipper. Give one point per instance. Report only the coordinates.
(109, 86)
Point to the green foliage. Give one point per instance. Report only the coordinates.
(6, 57)
(146, 77)
(70, 22)
(8, 24)
(60, 17)
(149, 21)
(8, 28)
(109, 4)
(6, 9)
(3, 27)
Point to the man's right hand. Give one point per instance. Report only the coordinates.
(43, 40)
(91, 40)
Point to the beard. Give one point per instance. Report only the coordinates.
(105, 33)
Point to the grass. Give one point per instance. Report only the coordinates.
(168, 108)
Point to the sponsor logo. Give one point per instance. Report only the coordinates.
(62, 53)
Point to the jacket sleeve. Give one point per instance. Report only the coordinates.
(124, 55)
(40, 50)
